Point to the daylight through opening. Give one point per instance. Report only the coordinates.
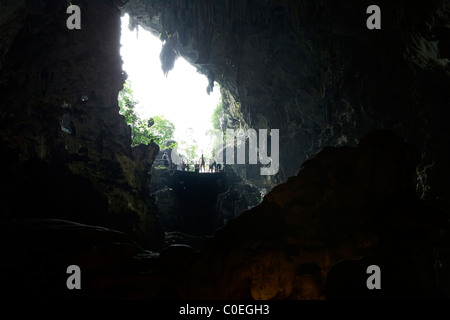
(174, 110)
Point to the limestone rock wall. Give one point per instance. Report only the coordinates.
(314, 70)
(314, 236)
(66, 148)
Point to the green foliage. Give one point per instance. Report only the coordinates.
(127, 105)
(218, 117)
(188, 148)
(171, 144)
(158, 128)
(191, 152)
(161, 131)
(215, 138)
(217, 134)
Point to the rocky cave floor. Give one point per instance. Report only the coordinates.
(312, 237)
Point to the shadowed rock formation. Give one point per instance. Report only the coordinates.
(313, 70)
(345, 204)
(364, 162)
(88, 172)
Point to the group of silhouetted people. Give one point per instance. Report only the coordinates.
(215, 167)
(198, 167)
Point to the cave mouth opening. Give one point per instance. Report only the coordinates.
(182, 97)
(185, 201)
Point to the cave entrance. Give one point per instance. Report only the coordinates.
(177, 103)
(179, 107)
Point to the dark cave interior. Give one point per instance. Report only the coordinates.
(363, 179)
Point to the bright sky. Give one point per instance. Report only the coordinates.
(181, 97)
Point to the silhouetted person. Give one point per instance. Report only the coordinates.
(203, 164)
(165, 158)
(196, 168)
(213, 166)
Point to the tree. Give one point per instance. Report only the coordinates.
(188, 147)
(127, 104)
(216, 138)
(218, 117)
(158, 128)
(217, 134)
